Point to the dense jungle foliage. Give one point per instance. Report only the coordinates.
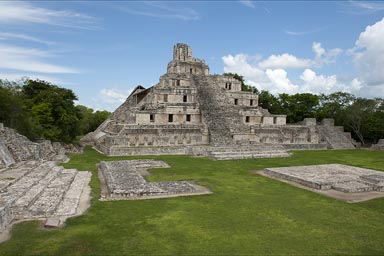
(41, 110)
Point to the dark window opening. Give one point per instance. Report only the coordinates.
(251, 102)
(228, 85)
(190, 70)
(165, 97)
(247, 119)
(152, 118)
(188, 118)
(177, 82)
(170, 118)
(185, 98)
(236, 102)
(274, 120)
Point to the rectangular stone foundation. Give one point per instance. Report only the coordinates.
(346, 183)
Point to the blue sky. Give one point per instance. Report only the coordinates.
(103, 49)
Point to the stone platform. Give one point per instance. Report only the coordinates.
(215, 152)
(124, 180)
(40, 190)
(343, 182)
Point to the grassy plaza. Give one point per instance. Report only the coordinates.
(247, 214)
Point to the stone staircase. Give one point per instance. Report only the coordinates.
(222, 119)
(39, 190)
(244, 152)
(217, 111)
(335, 137)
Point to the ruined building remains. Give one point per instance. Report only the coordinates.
(192, 112)
(33, 186)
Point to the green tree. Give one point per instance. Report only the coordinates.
(86, 119)
(298, 106)
(41, 110)
(91, 120)
(62, 119)
(270, 102)
(98, 118)
(12, 111)
(365, 118)
(334, 105)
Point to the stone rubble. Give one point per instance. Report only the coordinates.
(15, 148)
(124, 180)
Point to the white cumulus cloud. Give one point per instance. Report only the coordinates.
(369, 54)
(285, 61)
(242, 64)
(280, 82)
(274, 80)
(277, 80)
(317, 84)
(323, 56)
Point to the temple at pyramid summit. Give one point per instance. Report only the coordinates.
(192, 112)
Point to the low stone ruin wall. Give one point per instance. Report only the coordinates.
(343, 182)
(124, 180)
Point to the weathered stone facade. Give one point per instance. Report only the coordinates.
(190, 108)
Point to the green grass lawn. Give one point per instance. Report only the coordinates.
(247, 214)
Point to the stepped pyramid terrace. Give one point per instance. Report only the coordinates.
(192, 112)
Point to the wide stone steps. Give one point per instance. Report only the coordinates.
(24, 202)
(71, 200)
(220, 118)
(21, 185)
(336, 139)
(46, 190)
(230, 153)
(52, 195)
(246, 155)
